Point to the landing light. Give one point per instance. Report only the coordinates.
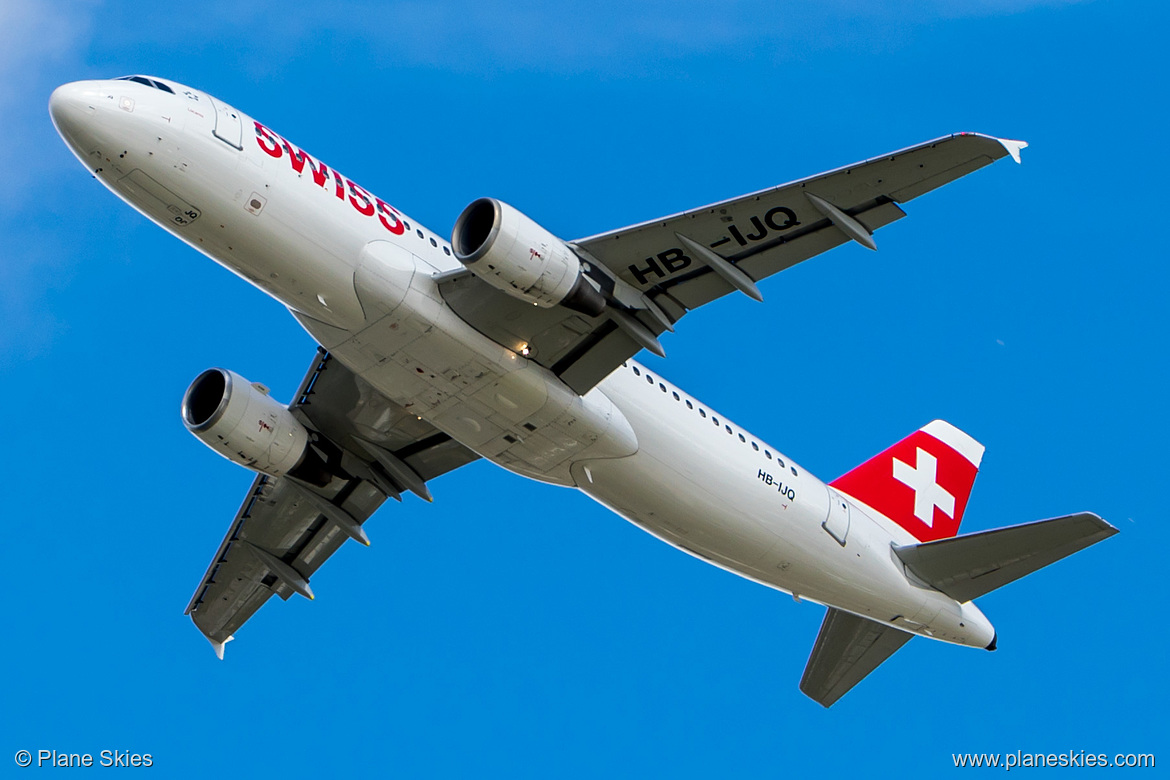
(524, 350)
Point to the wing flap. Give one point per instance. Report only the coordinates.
(847, 649)
(966, 567)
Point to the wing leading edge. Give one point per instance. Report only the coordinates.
(286, 529)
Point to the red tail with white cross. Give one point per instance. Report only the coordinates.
(921, 483)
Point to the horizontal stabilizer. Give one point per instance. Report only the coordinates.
(967, 567)
(847, 649)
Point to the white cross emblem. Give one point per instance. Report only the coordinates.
(923, 479)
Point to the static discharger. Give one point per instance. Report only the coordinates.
(283, 572)
(845, 223)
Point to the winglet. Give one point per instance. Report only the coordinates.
(219, 645)
(1013, 147)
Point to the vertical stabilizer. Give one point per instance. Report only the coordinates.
(921, 483)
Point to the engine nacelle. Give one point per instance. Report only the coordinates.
(512, 253)
(242, 423)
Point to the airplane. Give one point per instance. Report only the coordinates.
(511, 344)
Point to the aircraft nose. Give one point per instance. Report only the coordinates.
(65, 99)
(69, 106)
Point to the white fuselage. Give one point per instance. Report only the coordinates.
(360, 277)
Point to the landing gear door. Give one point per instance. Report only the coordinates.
(837, 523)
(228, 127)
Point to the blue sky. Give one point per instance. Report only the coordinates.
(517, 629)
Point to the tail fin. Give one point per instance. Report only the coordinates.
(921, 483)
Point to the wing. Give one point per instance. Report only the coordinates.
(848, 648)
(662, 269)
(286, 529)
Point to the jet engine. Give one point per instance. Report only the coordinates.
(512, 253)
(242, 423)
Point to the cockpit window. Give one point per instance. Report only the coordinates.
(148, 82)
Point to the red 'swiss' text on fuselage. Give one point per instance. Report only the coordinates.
(366, 204)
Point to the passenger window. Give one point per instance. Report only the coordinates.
(768, 454)
(793, 470)
(690, 405)
(741, 438)
(728, 427)
(650, 379)
(755, 447)
(446, 250)
(715, 420)
(637, 372)
(419, 232)
(434, 242)
(662, 387)
(702, 412)
(675, 396)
